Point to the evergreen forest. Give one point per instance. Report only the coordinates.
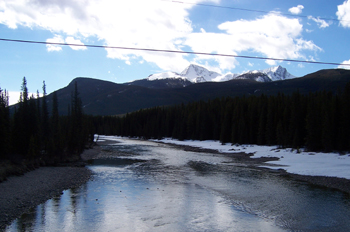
(316, 121)
(32, 136)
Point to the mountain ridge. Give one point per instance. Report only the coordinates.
(109, 98)
(198, 74)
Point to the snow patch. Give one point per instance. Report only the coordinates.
(165, 75)
(303, 163)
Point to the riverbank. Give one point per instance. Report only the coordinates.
(18, 194)
(328, 170)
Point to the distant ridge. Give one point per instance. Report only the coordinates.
(198, 74)
(109, 98)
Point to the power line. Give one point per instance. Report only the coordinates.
(251, 10)
(170, 51)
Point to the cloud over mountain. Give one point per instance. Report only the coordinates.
(273, 35)
(346, 64)
(160, 25)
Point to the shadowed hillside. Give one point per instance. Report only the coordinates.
(108, 98)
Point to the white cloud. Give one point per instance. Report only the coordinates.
(151, 24)
(347, 66)
(59, 39)
(15, 95)
(273, 35)
(155, 24)
(55, 39)
(320, 22)
(296, 10)
(71, 40)
(343, 13)
(271, 62)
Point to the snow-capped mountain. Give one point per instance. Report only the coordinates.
(226, 77)
(165, 75)
(193, 73)
(196, 74)
(276, 73)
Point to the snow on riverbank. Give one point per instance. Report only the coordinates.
(303, 163)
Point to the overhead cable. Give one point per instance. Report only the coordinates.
(170, 51)
(251, 10)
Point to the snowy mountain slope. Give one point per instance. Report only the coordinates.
(226, 77)
(276, 73)
(165, 75)
(193, 73)
(196, 74)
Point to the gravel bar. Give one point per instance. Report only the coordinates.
(18, 194)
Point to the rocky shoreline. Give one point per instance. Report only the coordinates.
(18, 194)
(21, 193)
(336, 183)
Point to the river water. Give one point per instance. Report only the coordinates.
(146, 186)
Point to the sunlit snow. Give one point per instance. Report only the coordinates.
(196, 74)
(303, 163)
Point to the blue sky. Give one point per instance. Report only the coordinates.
(300, 30)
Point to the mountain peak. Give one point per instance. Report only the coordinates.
(196, 74)
(193, 67)
(275, 73)
(276, 68)
(278, 73)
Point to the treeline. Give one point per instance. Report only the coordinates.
(36, 136)
(317, 121)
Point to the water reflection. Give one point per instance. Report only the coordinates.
(27, 221)
(147, 187)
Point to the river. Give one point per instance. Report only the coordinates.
(146, 186)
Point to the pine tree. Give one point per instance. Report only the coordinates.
(4, 124)
(226, 126)
(76, 136)
(56, 146)
(327, 133)
(21, 131)
(262, 121)
(33, 130)
(270, 122)
(280, 134)
(344, 122)
(44, 122)
(313, 124)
